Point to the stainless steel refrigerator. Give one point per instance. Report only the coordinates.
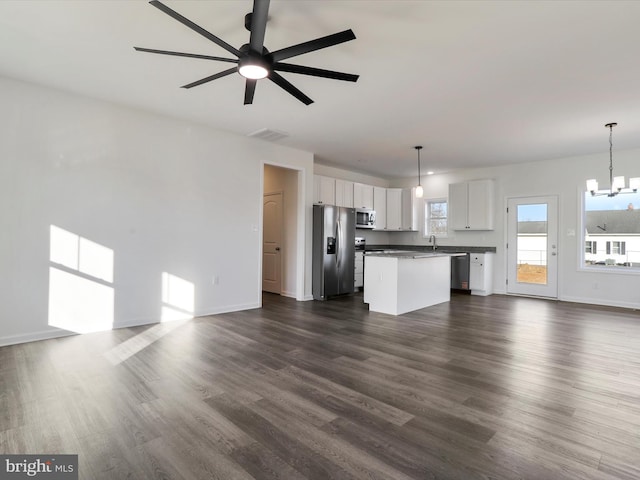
(334, 233)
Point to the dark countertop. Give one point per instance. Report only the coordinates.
(412, 254)
(428, 248)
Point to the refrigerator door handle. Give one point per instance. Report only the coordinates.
(338, 242)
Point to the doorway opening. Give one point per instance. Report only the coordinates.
(281, 231)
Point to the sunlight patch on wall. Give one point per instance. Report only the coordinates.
(81, 295)
(178, 298)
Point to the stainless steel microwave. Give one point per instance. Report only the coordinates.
(365, 218)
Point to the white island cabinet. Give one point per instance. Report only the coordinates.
(400, 282)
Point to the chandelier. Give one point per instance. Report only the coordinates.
(616, 183)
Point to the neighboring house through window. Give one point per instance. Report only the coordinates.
(614, 223)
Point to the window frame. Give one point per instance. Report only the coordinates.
(427, 217)
(582, 239)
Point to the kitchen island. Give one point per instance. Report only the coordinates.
(397, 282)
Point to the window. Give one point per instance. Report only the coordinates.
(590, 247)
(616, 248)
(435, 218)
(614, 222)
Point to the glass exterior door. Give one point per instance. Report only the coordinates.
(532, 248)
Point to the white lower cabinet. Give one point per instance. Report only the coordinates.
(358, 278)
(481, 274)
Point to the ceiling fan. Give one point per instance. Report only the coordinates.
(254, 61)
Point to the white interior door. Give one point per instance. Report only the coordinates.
(532, 246)
(272, 243)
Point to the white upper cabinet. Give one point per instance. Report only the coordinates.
(324, 190)
(394, 209)
(380, 206)
(344, 193)
(362, 196)
(471, 205)
(401, 209)
(408, 209)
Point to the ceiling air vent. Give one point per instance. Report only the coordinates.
(268, 135)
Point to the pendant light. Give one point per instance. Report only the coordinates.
(616, 184)
(419, 190)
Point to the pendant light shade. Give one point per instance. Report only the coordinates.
(419, 190)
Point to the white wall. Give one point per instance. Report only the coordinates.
(565, 178)
(165, 195)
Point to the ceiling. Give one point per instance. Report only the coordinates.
(478, 83)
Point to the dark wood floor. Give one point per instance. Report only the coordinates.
(482, 387)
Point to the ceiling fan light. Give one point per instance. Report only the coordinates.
(592, 185)
(634, 183)
(253, 71)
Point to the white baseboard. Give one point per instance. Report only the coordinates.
(34, 337)
(227, 309)
(288, 294)
(307, 298)
(600, 301)
(137, 322)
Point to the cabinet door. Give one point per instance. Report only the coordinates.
(408, 209)
(362, 196)
(380, 206)
(476, 272)
(344, 193)
(480, 205)
(458, 200)
(324, 190)
(394, 209)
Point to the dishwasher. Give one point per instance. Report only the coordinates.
(460, 272)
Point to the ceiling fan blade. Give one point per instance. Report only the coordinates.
(312, 45)
(210, 78)
(249, 91)
(190, 55)
(315, 72)
(284, 84)
(196, 28)
(258, 24)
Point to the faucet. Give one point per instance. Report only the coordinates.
(433, 238)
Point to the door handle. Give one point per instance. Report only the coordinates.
(277, 249)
